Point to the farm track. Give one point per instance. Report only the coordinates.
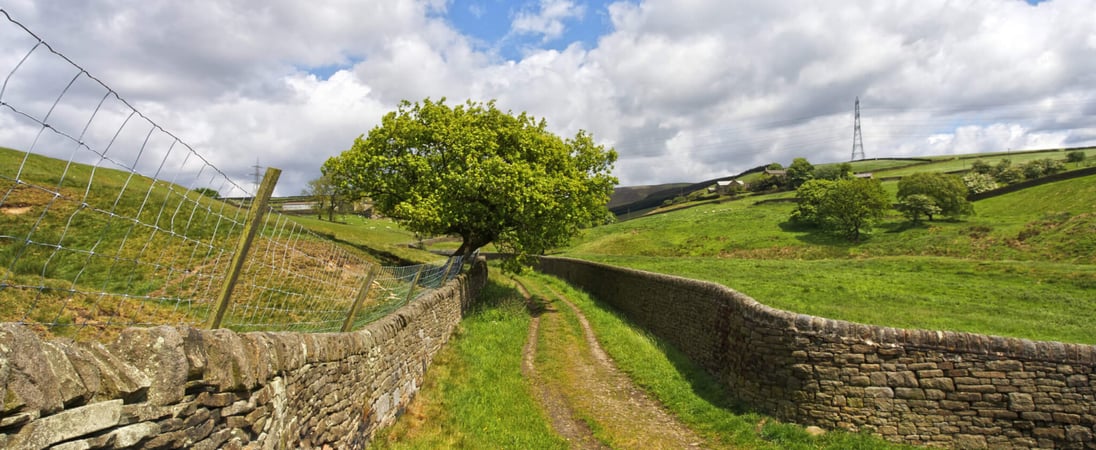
(588, 399)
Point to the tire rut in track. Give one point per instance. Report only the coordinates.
(592, 389)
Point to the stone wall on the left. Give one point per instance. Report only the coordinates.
(178, 387)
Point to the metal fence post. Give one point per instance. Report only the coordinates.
(415, 282)
(254, 218)
(362, 294)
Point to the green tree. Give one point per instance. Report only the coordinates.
(978, 183)
(949, 192)
(1075, 156)
(917, 205)
(849, 206)
(325, 192)
(979, 166)
(1009, 175)
(810, 197)
(799, 172)
(834, 171)
(852, 206)
(476, 172)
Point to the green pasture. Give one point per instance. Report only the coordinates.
(1023, 266)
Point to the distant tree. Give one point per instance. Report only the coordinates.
(834, 171)
(853, 205)
(767, 183)
(326, 195)
(774, 166)
(1033, 170)
(917, 205)
(848, 207)
(947, 191)
(485, 175)
(810, 196)
(979, 166)
(1010, 175)
(978, 183)
(208, 192)
(1075, 156)
(799, 172)
(1052, 166)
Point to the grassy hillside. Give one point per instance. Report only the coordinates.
(1023, 266)
(124, 248)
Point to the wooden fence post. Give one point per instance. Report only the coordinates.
(362, 294)
(414, 282)
(254, 218)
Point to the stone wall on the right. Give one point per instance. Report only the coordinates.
(920, 387)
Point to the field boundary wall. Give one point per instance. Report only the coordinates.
(921, 387)
(183, 387)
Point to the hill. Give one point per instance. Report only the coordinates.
(1024, 265)
(97, 247)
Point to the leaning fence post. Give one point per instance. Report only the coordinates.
(415, 282)
(449, 264)
(254, 218)
(362, 293)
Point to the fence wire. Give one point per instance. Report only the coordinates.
(108, 220)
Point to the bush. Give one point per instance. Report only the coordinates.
(917, 205)
(1075, 156)
(1010, 175)
(979, 166)
(978, 183)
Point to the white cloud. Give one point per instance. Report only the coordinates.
(685, 90)
(549, 20)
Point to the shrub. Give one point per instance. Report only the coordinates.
(1075, 156)
(917, 205)
(979, 166)
(1010, 175)
(978, 182)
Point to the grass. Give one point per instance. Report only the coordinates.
(100, 249)
(1043, 301)
(963, 162)
(474, 395)
(698, 400)
(382, 240)
(1024, 266)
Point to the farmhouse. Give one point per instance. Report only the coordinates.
(724, 187)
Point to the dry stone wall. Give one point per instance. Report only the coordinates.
(921, 387)
(170, 387)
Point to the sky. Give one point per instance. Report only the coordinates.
(684, 90)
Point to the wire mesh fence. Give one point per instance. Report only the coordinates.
(108, 220)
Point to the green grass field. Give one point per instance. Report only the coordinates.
(1023, 266)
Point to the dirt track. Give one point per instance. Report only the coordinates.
(589, 401)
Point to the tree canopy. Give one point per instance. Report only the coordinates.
(847, 206)
(947, 191)
(477, 172)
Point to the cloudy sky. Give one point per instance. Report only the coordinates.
(685, 90)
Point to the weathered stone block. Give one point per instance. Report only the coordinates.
(158, 353)
(133, 434)
(903, 378)
(28, 379)
(943, 384)
(970, 441)
(1006, 365)
(909, 393)
(1020, 402)
(68, 424)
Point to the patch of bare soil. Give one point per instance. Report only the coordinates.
(589, 400)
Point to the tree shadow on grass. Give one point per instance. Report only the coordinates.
(817, 236)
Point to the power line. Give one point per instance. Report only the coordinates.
(857, 138)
